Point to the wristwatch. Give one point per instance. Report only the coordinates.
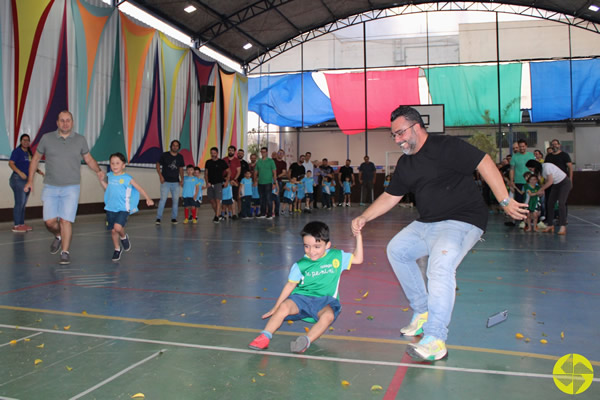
(505, 202)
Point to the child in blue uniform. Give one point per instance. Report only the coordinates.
(311, 292)
(189, 193)
(227, 199)
(255, 199)
(246, 194)
(289, 195)
(347, 191)
(299, 197)
(309, 188)
(121, 197)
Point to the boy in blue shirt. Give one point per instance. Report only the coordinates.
(246, 195)
(289, 194)
(227, 199)
(198, 197)
(189, 193)
(299, 197)
(347, 191)
(121, 197)
(309, 188)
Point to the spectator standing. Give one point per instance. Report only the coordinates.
(561, 159)
(170, 172)
(310, 166)
(344, 172)
(216, 172)
(64, 150)
(366, 178)
(297, 169)
(265, 175)
(517, 169)
(235, 175)
(282, 177)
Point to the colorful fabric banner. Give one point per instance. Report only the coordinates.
(5, 147)
(234, 110)
(470, 93)
(551, 89)
(279, 100)
(386, 90)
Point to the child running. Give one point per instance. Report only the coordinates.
(120, 200)
(311, 293)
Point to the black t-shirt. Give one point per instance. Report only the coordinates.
(244, 167)
(325, 170)
(215, 170)
(368, 170)
(346, 172)
(560, 160)
(170, 165)
(297, 170)
(441, 177)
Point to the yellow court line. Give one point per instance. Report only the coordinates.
(236, 329)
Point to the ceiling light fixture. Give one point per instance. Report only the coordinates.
(247, 46)
(189, 9)
(594, 8)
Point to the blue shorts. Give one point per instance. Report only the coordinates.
(227, 202)
(311, 306)
(198, 202)
(60, 202)
(309, 196)
(189, 202)
(255, 202)
(116, 217)
(287, 201)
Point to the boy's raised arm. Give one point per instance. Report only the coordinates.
(358, 250)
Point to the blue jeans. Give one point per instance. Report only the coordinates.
(60, 202)
(446, 243)
(17, 184)
(165, 188)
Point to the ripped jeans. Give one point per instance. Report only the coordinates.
(446, 243)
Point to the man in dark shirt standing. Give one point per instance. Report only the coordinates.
(561, 159)
(216, 171)
(235, 168)
(452, 217)
(344, 172)
(170, 172)
(281, 173)
(366, 178)
(297, 169)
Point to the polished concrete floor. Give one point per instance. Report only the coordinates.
(173, 318)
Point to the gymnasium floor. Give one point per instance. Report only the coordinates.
(173, 318)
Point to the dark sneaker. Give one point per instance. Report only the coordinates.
(117, 255)
(65, 258)
(55, 246)
(125, 243)
(261, 216)
(157, 221)
(234, 217)
(174, 221)
(269, 216)
(216, 219)
(260, 343)
(300, 345)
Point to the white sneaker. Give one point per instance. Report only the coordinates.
(522, 225)
(415, 328)
(429, 348)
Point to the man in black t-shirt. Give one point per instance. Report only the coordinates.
(297, 169)
(561, 159)
(170, 172)
(452, 218)
(216, 172)
(366, 178)
(344, 172)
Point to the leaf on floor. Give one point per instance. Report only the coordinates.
(527, 340)
(376, 388)
(359, 299)
(533, 313)
(182, 314)
(351, 329)
(345, 383)
(543, 292)
(224, 301)
(27, 340)
(543, 341)
(290, 322)
(370, 318)
(41, 346)
(358, 312)
(84, 312)
(37, 361)
(253, 380)
(519, 335)
(331, 328)
(306, 329)
(261, 373)
(544, 335)
(562, 336)
(55, 326)
(13, 342)
(364, 296)
(405, 309)
(138, 396)
(66, 328)
(68, 368)
(38, 320)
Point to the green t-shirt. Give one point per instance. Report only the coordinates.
(321, 277)
(518, 162)
(265, 169)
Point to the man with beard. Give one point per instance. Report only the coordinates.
(344, 172)
(216, 172)
(170, 172)
(452, 217)
(234, 177)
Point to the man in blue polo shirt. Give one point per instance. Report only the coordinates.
(64, 150)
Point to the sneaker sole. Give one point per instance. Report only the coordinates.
(55, 251)
(411, 333)
(64, 262)
(257, 348)
(414, 353)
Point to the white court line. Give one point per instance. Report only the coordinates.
(23, 338)
(7, 398)
(107, 380)
(292, 355)
(584, 220)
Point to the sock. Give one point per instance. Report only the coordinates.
(59, 237)
(124, 237)
(267, 334)
(193, 213)
(187, 213)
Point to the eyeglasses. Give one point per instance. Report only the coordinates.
(399, 133)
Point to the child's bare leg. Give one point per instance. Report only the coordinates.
(117, 233)
(326, 318)
(288, 307)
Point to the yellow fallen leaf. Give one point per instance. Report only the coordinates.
(68, 368)
(370, 318)
(345, 383)
(261, 373)
(534, 314)
(27, 340)
(351, 330)
(359, 299)
(253, 380)
(41, 346)
(138, 396)
(55, 326)
(37, 361)
(526, 270)
(84, 312)
(290, 322)
(543, 292)
(264, 289)
(527, 340)
(543, 341)
(519, 336)
(306, 329)
(38, 320)
(66, 328)
(405, 309)
(331, 328)
(562, 336)
(365, 295)
(12, 342)
(223, 301)
(358, 312)
(376, 388)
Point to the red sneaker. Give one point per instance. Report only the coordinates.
(19, 229)
(29, 228)
(260, 343)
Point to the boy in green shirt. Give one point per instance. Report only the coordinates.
(312, 290)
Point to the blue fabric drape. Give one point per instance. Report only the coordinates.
(278, 100)
(551, 90)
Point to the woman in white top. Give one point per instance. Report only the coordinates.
(561, 186)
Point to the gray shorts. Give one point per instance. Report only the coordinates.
(215, 192)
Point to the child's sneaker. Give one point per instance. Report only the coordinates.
(185, 221)
(415, 328)
(429, 348)
(260, 343)
(125, 243)
(116, 255)
(300, 345)
(195, 221)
